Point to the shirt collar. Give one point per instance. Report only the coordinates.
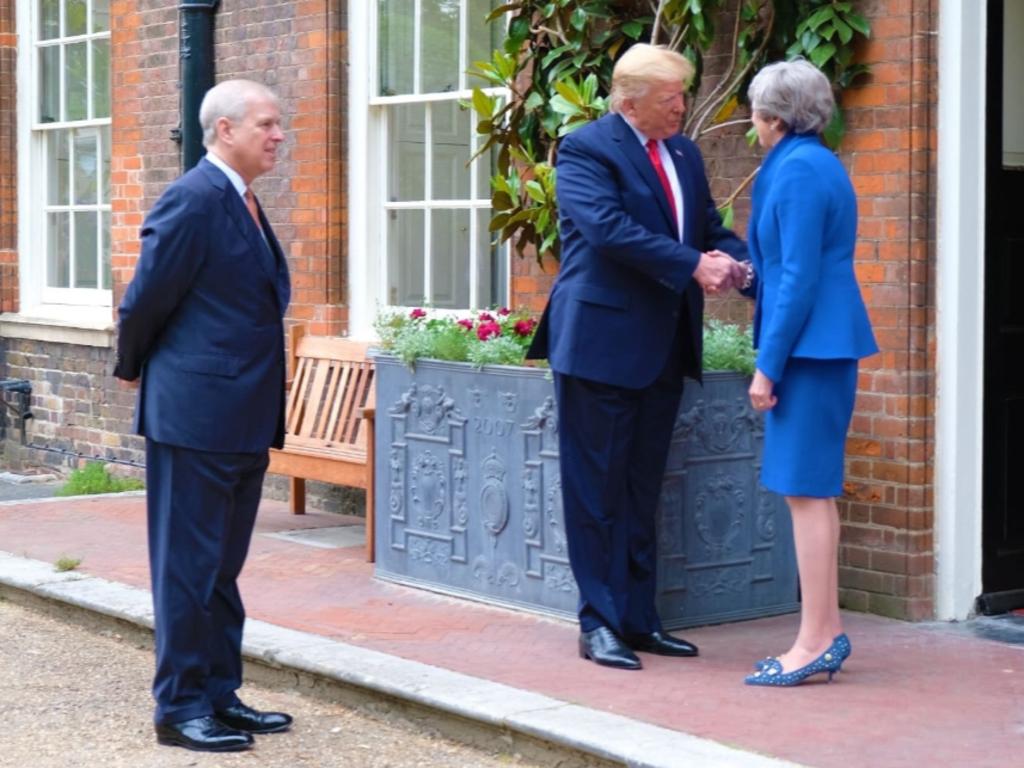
(231, 173)
(640, 135)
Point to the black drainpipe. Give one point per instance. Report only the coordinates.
(196, 69)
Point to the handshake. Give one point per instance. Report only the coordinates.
(717, 272)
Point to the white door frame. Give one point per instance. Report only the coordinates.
(960, 306)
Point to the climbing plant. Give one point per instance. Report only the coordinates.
(553, 75)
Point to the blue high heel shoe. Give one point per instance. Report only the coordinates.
(840, 642)
(771, 673)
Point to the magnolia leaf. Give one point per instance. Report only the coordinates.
(562, 106)
(844, 30)
(821, 54)
(536, 192)
(859, 23)
(820, 16)
(726, 110)
(727, 213)
(751, 135)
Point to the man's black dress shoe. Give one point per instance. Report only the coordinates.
(603, 647)
(203, 734)
(662, 644)
(246, 718)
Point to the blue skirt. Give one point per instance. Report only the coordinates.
(805, 433)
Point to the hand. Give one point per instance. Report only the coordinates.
(761, 397)
(715, 272)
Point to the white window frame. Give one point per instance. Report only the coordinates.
(368, 206)
(85, 308)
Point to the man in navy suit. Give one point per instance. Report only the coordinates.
(202, 324)
(641, 242)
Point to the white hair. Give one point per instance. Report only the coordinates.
(230, 99)
(796, 92)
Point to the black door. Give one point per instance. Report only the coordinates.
(1003, 458)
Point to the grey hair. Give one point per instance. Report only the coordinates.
(796, 92)
(642, 65)
(230, 99)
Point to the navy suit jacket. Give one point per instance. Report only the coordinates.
(624, 287)
(202, 321)
(802, 233)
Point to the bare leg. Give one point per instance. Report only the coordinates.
(816, 534)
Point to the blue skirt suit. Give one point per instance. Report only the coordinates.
(810, 324)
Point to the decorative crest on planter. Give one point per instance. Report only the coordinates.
(429, 490)
(719, 514)
(720, 425)
(493, 496)
(544, 418)
(429, 405)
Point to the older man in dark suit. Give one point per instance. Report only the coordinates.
(640, 240)
(201, 324)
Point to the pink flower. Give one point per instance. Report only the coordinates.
(488, 330)
(525, 327)
(486, 317)
(504, 311)
(417, 313)
(465, 323)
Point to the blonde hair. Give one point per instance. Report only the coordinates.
(644, 64)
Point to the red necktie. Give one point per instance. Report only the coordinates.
(655, 156)
(254, 211)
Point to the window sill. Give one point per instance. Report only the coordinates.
(84, 327)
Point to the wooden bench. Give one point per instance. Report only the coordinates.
(329, 415)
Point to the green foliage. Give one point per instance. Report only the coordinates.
(65, 563)
(94, 478)
(557, 62)
(728, 347)
(500, 337)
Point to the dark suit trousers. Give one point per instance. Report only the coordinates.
(201, 511)
(613, 446)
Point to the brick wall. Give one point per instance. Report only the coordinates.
(8, 162)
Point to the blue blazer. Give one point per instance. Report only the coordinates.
(803, 228)
(202, 321)
(624, 286)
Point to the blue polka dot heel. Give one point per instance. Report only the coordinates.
(841, 643)
(771, 673)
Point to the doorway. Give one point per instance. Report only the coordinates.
(1003, 410)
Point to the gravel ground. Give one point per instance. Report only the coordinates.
(71, 697)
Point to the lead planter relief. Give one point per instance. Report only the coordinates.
(469, 498)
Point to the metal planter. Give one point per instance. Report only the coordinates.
(469, 499)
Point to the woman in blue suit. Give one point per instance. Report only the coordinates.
(810, 329)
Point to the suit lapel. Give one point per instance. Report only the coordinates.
(684, 173)
(282, 282)
(637, 155)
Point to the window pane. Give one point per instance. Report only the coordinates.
(406, 152)
(450, 257)
(86, 166)
(450, 129)
(405, 258)
(100, 15)
(49, 19)
(491, 286)
(74, 17)
(396, 28)
(105, 250)
(483, 37)
(440, 46)
(57, 261)
(85, 249)
(75, 81)
(105, 164)
(57, 161)
(49, 84)
(485, 167)
(101, 78)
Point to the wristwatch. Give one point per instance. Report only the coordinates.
(748, 280)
